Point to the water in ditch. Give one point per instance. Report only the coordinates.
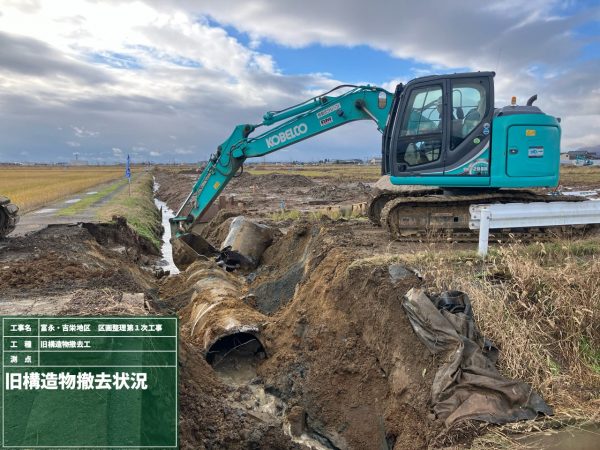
(166, 249)
(235, 359)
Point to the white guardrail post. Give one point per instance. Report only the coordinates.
(526, 215)
(484, 231)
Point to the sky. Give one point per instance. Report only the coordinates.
(168, 80)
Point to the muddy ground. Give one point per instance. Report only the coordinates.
(311, 349)
(335, 362)
(262, 195)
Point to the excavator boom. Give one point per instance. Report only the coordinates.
(291, 125)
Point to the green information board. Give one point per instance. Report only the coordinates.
(83, 382)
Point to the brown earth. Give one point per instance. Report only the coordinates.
(310, 350)
(62, 258)
(272, 181)
(262, 195)
(344, 352)
(341, 353)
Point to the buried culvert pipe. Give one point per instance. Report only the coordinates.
(226, 329)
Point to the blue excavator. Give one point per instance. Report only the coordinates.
(444, 146)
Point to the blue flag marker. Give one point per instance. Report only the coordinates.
(128, 173)
(128, 168)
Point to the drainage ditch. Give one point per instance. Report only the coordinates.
(166, 249)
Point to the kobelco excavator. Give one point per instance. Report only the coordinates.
(8, 216)
(444, 147)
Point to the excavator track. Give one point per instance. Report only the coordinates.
(8, 216)
(378, 202)
(433, 216)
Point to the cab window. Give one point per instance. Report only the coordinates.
(424, 112)
(420, 137)
(469, 106)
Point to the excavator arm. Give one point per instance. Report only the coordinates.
(310, 118)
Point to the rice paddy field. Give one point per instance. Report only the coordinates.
(33, 187)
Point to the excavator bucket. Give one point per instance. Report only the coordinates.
(188, 247)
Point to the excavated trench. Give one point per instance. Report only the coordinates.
(312, 342)
(316, 342)
(225, 321)
(311, 348)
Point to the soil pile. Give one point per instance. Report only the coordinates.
(271, 181)
(66, 257)
(343, 353)
(340, 192)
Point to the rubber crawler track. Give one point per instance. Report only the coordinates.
(431, 216)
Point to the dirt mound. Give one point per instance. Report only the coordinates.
(195, 171)
(271, 181)
(340, 192)
(117, 234)
(105, 302)
(274, 283)
(345, 354)
(66, 257)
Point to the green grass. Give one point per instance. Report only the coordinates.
(590, 354)
(313, 216)
(139, 209)
(562, 249)
(89, 200)
(280, 216)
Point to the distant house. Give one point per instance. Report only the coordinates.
(375, 161)
(348, 161)
(592, 152)
(574, 154)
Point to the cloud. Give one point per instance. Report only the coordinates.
(117, 152)
(33, 58)
(73, 144)
(82, 132)
(510, 37)
(133, 75)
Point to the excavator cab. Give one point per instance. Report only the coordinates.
(439, 124)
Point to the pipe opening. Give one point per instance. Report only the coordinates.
(235, 357)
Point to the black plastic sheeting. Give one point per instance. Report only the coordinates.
(467, 384)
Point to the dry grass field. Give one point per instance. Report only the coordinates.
(32, 187)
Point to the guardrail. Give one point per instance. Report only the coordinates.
(525, 215)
